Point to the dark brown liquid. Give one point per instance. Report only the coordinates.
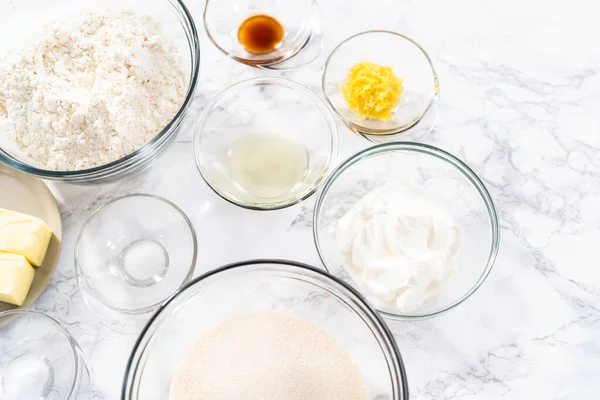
(260, 34)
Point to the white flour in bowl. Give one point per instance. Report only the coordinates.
(268, 356)
(90, 89)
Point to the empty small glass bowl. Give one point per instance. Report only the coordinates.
(441, 174)
(300, 19)
(131, 255)
(39, 359)
(265, 143)
(415, 114)
(263, 285)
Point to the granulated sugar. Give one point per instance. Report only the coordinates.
(268, 356)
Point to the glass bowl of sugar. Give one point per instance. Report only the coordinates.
(267, 329)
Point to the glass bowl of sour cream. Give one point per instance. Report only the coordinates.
(412, 227)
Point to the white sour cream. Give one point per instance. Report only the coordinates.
(400, 245)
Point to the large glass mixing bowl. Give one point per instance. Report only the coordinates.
(21, 19)
(262, 285)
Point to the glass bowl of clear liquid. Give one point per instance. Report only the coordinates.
(39, 359)
(131, 255)
(265, 143)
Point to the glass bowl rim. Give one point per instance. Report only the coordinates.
(194, 48)
(77, 363)
(400, 376)
(278, 81)
(83, 282)
(440, 155)
(365, 132)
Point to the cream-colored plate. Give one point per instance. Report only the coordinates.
(23, 193)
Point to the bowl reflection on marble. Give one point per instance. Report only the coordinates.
(444, 177)
(415, 114)
(262, 285)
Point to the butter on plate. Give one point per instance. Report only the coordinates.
(16, 276)
(25, 235)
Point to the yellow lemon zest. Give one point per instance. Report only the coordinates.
(371, 90)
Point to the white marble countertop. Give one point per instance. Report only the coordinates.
(519, 103)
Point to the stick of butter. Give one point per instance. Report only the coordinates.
(16, 275)
(25, 235)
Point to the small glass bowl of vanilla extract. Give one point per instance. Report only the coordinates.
(272, 34)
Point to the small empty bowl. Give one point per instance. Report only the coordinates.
(39, 359)
(415, 114)
(441, 175)
(300, 19)
(131, 255)
(265, 143)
